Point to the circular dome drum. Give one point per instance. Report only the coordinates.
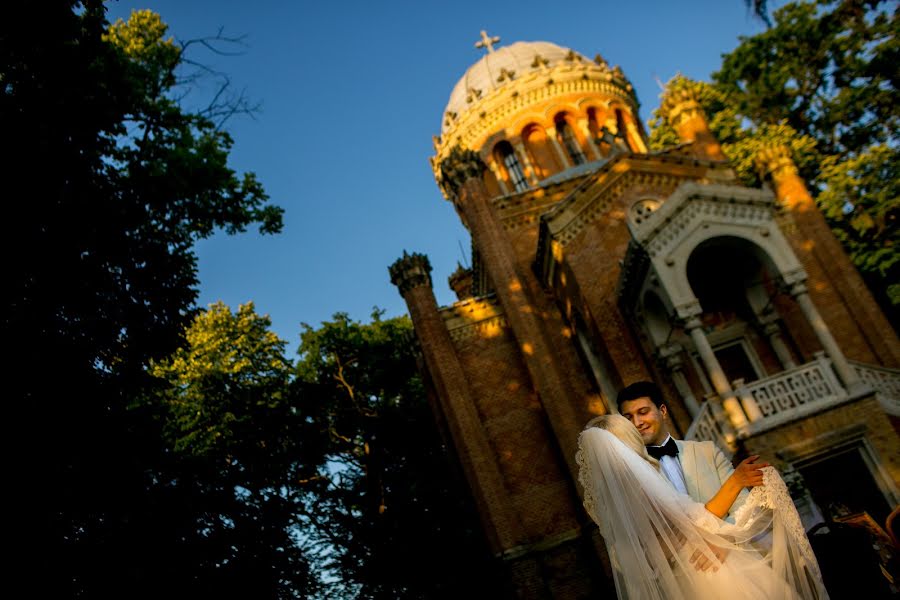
(535, 109)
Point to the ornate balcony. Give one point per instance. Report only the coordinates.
(792, 395)
(885, 381)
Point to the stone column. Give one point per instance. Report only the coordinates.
(671, 356)
(773, 333)
(530, 173)
(636, 136)
(586, 130)
(848, 376)
(411, 275)
(551, 135)
(520, 295)
(681, 109)
(498, 174)
(732, 406)
(748, 402)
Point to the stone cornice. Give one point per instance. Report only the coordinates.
(593, 198)
(475, 317)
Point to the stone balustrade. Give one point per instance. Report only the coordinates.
(885, 382)
(708, 425)
(791, 395)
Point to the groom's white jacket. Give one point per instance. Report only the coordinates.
(705, 469)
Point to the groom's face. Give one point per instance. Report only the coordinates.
(648, 418)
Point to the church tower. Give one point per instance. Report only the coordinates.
(596, 263)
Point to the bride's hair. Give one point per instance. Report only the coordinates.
(627, 433)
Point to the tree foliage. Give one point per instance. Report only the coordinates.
(231, 423)
(823, 81)
(108, 183)
(230, 376)
(394, 513)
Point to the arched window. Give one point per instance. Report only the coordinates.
(538, 151)
(621, 127)
(593, 123)
(507, 156)
(568, 140)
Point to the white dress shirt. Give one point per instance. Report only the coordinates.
(671, 468)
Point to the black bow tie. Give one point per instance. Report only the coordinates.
(667, 449)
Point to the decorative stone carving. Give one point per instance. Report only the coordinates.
(539, 61)
(470, 129)
(506, 74)
(642, 209)
(459, 166)
(461, 282)
(410, 271)
(776, 160)
(679, 104)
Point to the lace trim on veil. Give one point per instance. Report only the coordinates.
(773, 495)
(590, 504)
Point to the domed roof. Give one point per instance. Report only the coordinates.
(498, 67)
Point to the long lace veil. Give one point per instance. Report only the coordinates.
(652, 533)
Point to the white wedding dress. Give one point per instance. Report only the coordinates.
(652, 531)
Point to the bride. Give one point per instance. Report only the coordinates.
(658, 538)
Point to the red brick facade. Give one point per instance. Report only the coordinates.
(519, 370)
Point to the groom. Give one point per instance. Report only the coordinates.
(698, 469)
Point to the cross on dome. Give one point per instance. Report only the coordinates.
(487, 41)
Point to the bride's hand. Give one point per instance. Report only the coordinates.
(703, 562)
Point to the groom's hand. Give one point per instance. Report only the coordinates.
(749, 472)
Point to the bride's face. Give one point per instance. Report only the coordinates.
(648, 418)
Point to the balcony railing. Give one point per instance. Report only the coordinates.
(885, 381)
(779, 399)
(709, 425)
(792, 395)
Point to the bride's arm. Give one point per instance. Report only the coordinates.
(747, 474)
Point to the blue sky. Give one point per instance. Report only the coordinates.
(351, 93)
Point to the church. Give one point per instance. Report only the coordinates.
(596, 263)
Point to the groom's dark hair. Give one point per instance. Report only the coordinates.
(640, 389)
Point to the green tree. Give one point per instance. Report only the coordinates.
(108, 183)
(393, 512)
(232, 424)
(822, 80)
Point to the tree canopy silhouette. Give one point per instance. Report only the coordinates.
(108, 182)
